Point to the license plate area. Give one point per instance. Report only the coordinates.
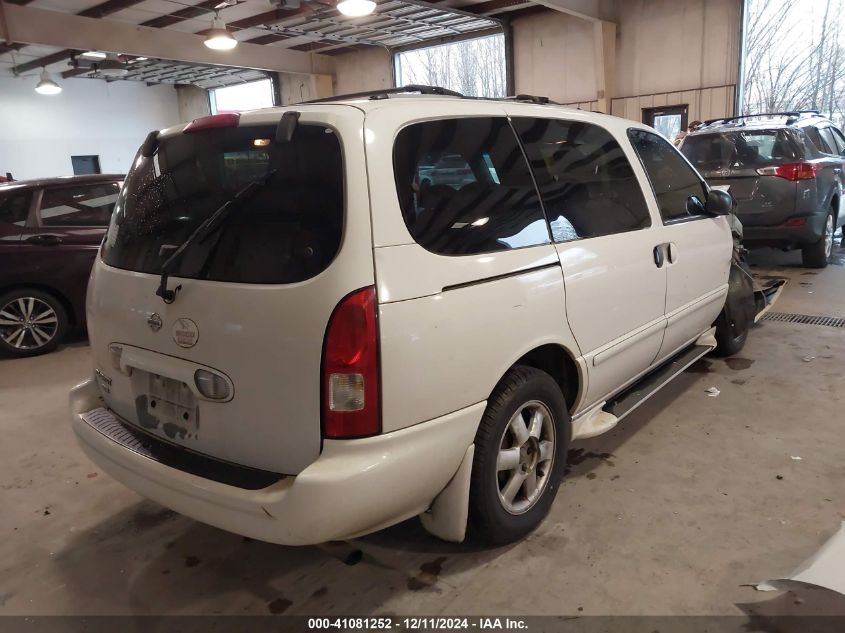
(172, 403)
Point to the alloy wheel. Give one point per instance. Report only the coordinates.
(526, 457)
(828, 236)
(28, 323)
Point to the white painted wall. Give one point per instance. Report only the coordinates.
(39, 133)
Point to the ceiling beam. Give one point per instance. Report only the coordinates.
(492, 7)
(107, 8)
(202, 9)
(72, 32)
(98, 11)
(589, 10)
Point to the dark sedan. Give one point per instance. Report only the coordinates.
(50, 231)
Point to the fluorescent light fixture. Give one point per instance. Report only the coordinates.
(47, 86)
(94, 55)
(219, 38)
(356, 8)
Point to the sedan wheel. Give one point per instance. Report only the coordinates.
(31, 322)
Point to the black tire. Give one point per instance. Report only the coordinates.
(489, 520)
(816, 255)
(728, 341)
(43, 334)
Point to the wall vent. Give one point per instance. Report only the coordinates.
(785, 317)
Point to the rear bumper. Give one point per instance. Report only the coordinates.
(785, 236)
(353, 488)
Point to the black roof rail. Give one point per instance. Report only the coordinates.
(539, 100)
(386, 92)
(792, 116)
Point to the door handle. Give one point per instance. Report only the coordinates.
(672, 252)
(658, 256)
(46, 240)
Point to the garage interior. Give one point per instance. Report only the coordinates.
(680, 510)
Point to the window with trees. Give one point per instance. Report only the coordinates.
(473, 67)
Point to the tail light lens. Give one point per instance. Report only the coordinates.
(791, 171)
(350, 389)
(795, 222)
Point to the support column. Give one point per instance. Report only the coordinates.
(604, 40)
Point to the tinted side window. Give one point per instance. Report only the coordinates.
(465, 188)
(674, 182)
(827, 137)
(14, 207)
(585, 180)
(89, 205)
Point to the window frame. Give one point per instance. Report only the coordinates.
(448, 117)
(625, 152)
(38, 220)
(705, 186)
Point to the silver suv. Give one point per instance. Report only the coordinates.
(785, 172)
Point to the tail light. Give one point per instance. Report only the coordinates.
(791, 171)
(350, 388)
(795, 222)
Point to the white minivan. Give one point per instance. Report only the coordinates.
(309, 323)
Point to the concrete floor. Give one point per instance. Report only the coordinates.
(672, 513)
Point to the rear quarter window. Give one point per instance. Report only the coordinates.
(464, 187)
(14, 207)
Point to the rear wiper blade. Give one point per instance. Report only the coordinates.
(209, 226)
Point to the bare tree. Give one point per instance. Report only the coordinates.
(784, 72)
(473, 67)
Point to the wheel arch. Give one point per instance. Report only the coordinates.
(557, 361)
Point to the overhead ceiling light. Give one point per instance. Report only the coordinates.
(94, 55)
(47, 86)
(356, 8)
(219, 38)
(112, 66)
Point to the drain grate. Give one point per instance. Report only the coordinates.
(785, 317)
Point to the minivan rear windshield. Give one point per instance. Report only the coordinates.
(739, 149)
(286, 230)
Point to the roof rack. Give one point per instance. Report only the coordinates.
(536, 99)
(386, 92)
(791, 116)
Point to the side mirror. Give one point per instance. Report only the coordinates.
(719, 203)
